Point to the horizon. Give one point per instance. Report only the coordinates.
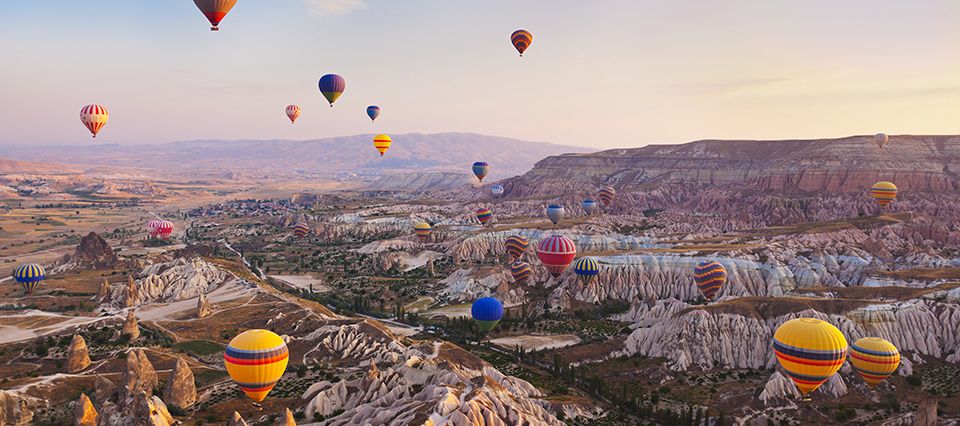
(658, 73)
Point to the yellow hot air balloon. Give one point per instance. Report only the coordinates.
(884, 193)
(382, 143)
(874, 359)
(256, 359)
(810, 351)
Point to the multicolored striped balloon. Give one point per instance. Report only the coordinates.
(606, 195)
(516, 245)
(710, 277)
(301, 230)
(884, 193)
(521, 40)
(293, 112)
(423, 230)
(94, 117)
(556, 252)
(373, 112)
(589, 206)
(332, 86)
(215, 10)
(484, 216)
(487, 312)
(874, 359)
(255, 360)
(810, 351)
(480, 169)
(29, 276)
(586, 268)
(382, 143)
(555, 213)
(520, 271)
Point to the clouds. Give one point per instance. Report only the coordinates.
(334, 7)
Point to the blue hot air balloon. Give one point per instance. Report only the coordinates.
(373, 112)
(480, 169)
(497, 189)
(487, 312)
(555, 213)
(589, 206)
(332, 86)
(586, 268)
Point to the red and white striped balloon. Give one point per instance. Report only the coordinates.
(556, 252)
(94, 117)
(160, 228)
(293, 113)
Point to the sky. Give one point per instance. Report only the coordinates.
(602, 74)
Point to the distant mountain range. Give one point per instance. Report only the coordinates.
(921, 163)
(338, 156)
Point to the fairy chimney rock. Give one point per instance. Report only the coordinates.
(236, 420)
(181, 388)
(78, 356)
(203, 306)
(287, 419)
(130, 326)
(84, 414)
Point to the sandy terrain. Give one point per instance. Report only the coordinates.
(303, 281)
(536, 343)
(452, 311)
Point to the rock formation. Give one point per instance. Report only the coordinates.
(14, 409)
(103, 389)
(926, 414)
(78, 356)
(287, 418)
(129, 295)
(139, 375)
(181, 389)
(94, 253)
(203, 306)
(151, 411)
(104, 291)
(84, 414)
(130, 327)
(180, 279)
(236, 420)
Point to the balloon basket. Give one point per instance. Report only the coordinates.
(258, 405)
(214, 29)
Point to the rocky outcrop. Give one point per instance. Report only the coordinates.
(151, 411)
(236, 420)
(128, 296)
(84, 414)
(104, 292)
(181, 389)
(94, 253)
(103, 389)
(287, 418)
(78, 355)
(203, 306)
(180, 279)
(139, 375)
(926, 414)
(14, 409)
(130, 326)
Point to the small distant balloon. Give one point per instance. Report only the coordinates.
(555, 213)
(520, 271)
(373, 112)
(874, 359)
(160, 228)
(215, 10)
(332, 86)
(94, 117)
(484, 216)
(293, 113)
(516, 245)
(423, 230)
(710, 276)
(589, 206)
(586, 268)
(301, 230)
(884, 193)
(606, 195)
(521, 39)
(480, 170)
(881, 139)
(497, 190)
(382, 143)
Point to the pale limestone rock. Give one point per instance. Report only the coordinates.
(287, 419)
(130, 326)
(151, 411)
(236, 420)
(203, 306)
(104, 389)
(78, 355)
(14, 409)
(181, 389)
(139, 375)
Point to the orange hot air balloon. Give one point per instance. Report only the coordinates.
(215, 10)
(382, 143)
(521, 40)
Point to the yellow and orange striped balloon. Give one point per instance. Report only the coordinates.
(884, 193)
(255, 360)
(382, 143)
(810, 351)
(874, 359)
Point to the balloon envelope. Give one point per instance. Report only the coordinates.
(423, 230)
(332, 86)
(29, 276)
(480, 169)
(497, 189)
(710, 276)
(215, 10)
(94, 117)
(555, 213)
(881, 139)
(606, 195)
(589, 206)
(556, 252)
(516, 246)
(586, 268)
(301, 230)
(382, 143)
(484, 216)
(293, 113)
(160, 228)
(487, 312)
(255, 360)
(373, 112)
(884, 193)
(810, 351)
(874, 359)
(521, 40)
(520, 271)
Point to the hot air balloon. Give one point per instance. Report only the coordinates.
(160, 228)
(94, 117)
(29, 276)
(586, 268)
(255, 360)
(382, 143)
(497, 190)
(606, 195)
(215, 10)
(881, 139)
(332, 86)
(520, 271)
(293, 113)
(301, 230)
(423, 230)
(884, 193)
(555, 213)
(480, 169)
(710, 276)
(516, 245)
(373, 112)
(487, 312)
(874, 359)
(521, 40)
(589, 206)
(810, 351)
(484, 216)
(556, 252)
